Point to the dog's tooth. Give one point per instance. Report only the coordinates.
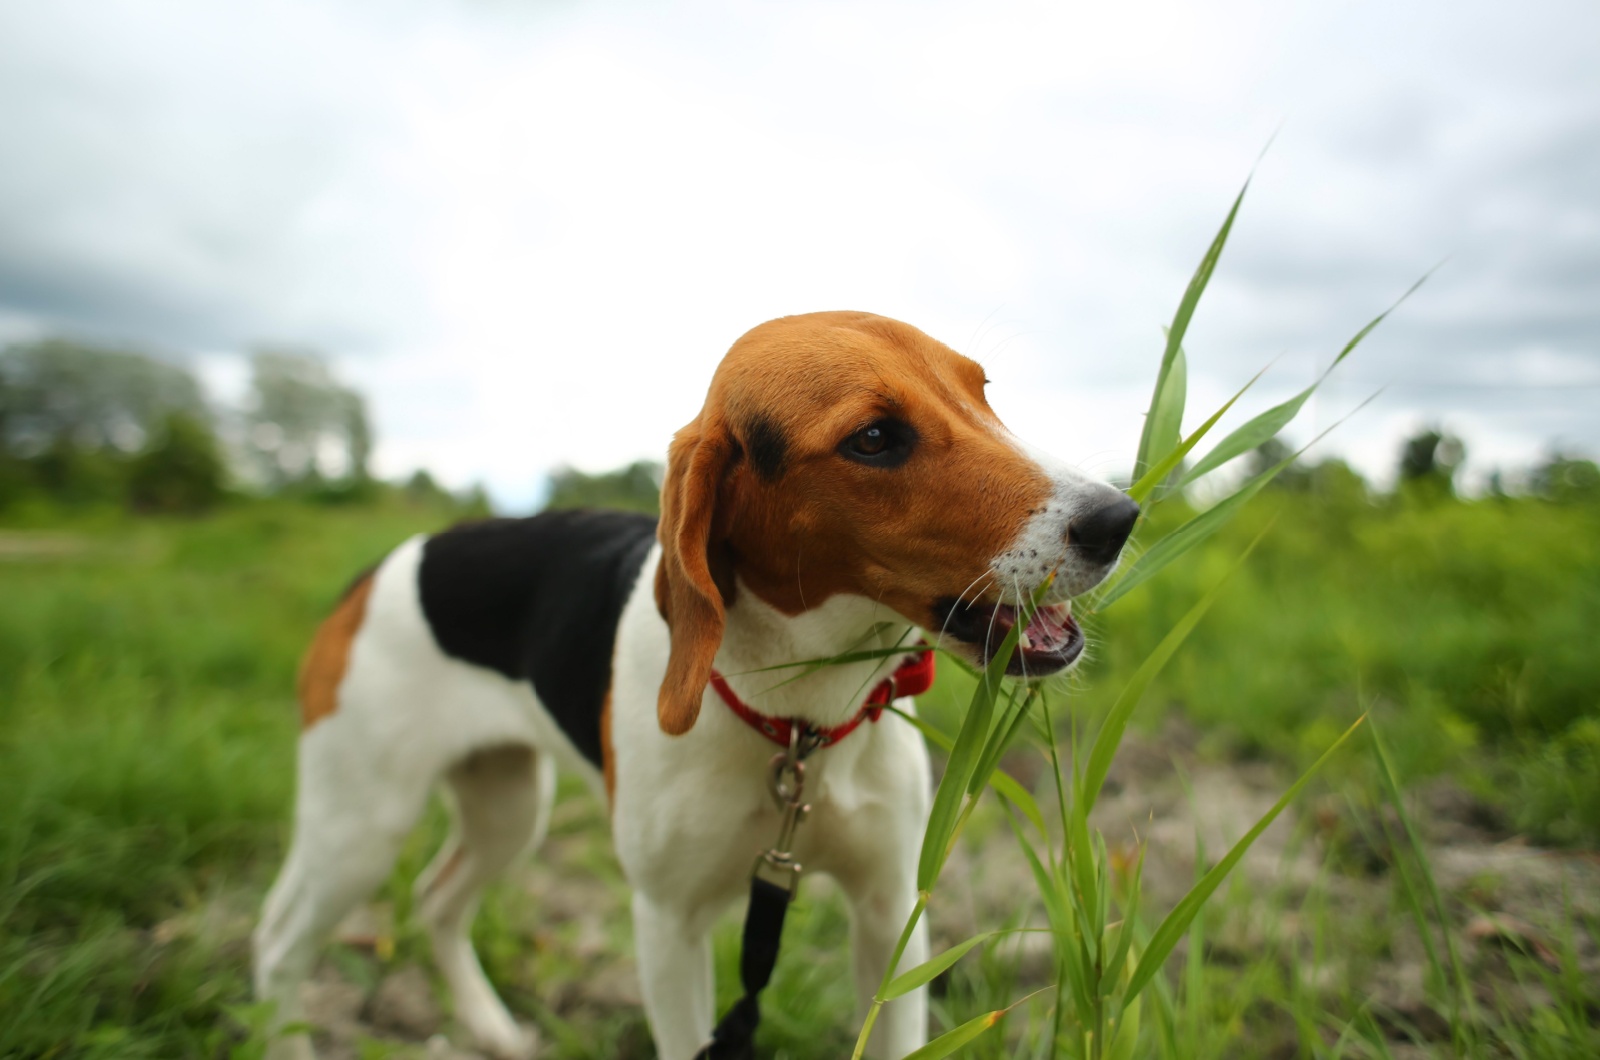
(1024, 641)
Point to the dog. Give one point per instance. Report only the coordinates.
(845, 486)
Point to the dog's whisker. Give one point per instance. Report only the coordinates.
(1021, 655)
(981, 577)
(950, 615)
(988, 637)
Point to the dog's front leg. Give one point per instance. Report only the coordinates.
(675, 976)
(878, 916)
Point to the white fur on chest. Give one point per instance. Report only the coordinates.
(691, 812)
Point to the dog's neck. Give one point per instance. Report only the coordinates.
(757, 636)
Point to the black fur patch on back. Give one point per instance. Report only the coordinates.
(769, 447)
(538, 600)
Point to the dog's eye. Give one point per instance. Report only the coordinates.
(885, 443)
(869, 442)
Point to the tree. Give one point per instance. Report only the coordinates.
(424, 490)
(636, 487)
(1566, 479)
(1295, 478)
(72, 416)
(1330, 480)
(182, 471)
(63, 393)
(304, 426)
(1429, 461)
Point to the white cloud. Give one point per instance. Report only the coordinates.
(529, 232)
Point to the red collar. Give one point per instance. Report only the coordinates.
(911, 678)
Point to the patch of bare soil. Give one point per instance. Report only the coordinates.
(1323, 873)
(1324, 869)
(567, 920)
(18, 546)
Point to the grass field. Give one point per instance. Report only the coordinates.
(146, 750)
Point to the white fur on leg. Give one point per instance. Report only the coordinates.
(342, 850)
(675, 977)
(501, 800)
(326, 876)
(284, 953)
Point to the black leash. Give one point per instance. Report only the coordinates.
(773, 883)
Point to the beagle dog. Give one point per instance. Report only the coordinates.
(844, 486)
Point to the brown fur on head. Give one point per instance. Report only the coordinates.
(762, 490)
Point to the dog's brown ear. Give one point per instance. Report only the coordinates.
(695, 576)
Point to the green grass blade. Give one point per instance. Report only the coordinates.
(1003, 783)
(1391, 781)
(1102, 893)
(1163, 422)
(1413, 895)
(1109, 737)
(1119, 956)
(1059, 911)
(850, 656)
(1013, 792)
(1202, 526)
(1196, 996)
(968, 748)
(1002, 737)
(948, 1042)
(1375, 321)
(998, 732)
(1166, 1019)
(1056, 910)
(1269, 423)
(863, 655)
(1258, 430)
(1158, 474)
(1187, 536)
(963, 760)
(1177, 922)
(1080, 865)
(925, 972)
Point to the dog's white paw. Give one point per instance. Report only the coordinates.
(512, 1041)
(526, 1047)
(291, 1047)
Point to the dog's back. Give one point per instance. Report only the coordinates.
(537, 600)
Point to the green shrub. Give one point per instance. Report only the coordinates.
(182, 471)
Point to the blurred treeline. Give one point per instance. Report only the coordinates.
(87, 426)
(84, 425)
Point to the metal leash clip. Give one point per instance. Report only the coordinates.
(786, 780)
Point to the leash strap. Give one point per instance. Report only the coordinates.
(773, 883)
(734, 1037)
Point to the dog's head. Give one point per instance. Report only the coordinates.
(850, 453)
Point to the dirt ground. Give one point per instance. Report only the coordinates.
(1503, 893)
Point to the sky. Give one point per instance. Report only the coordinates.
(528, 231)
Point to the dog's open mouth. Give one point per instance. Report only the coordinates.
(1051, 642)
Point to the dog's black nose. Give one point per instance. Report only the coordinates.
(1100, 534)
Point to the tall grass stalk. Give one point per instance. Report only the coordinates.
(1104, 955)
(1452, 977)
